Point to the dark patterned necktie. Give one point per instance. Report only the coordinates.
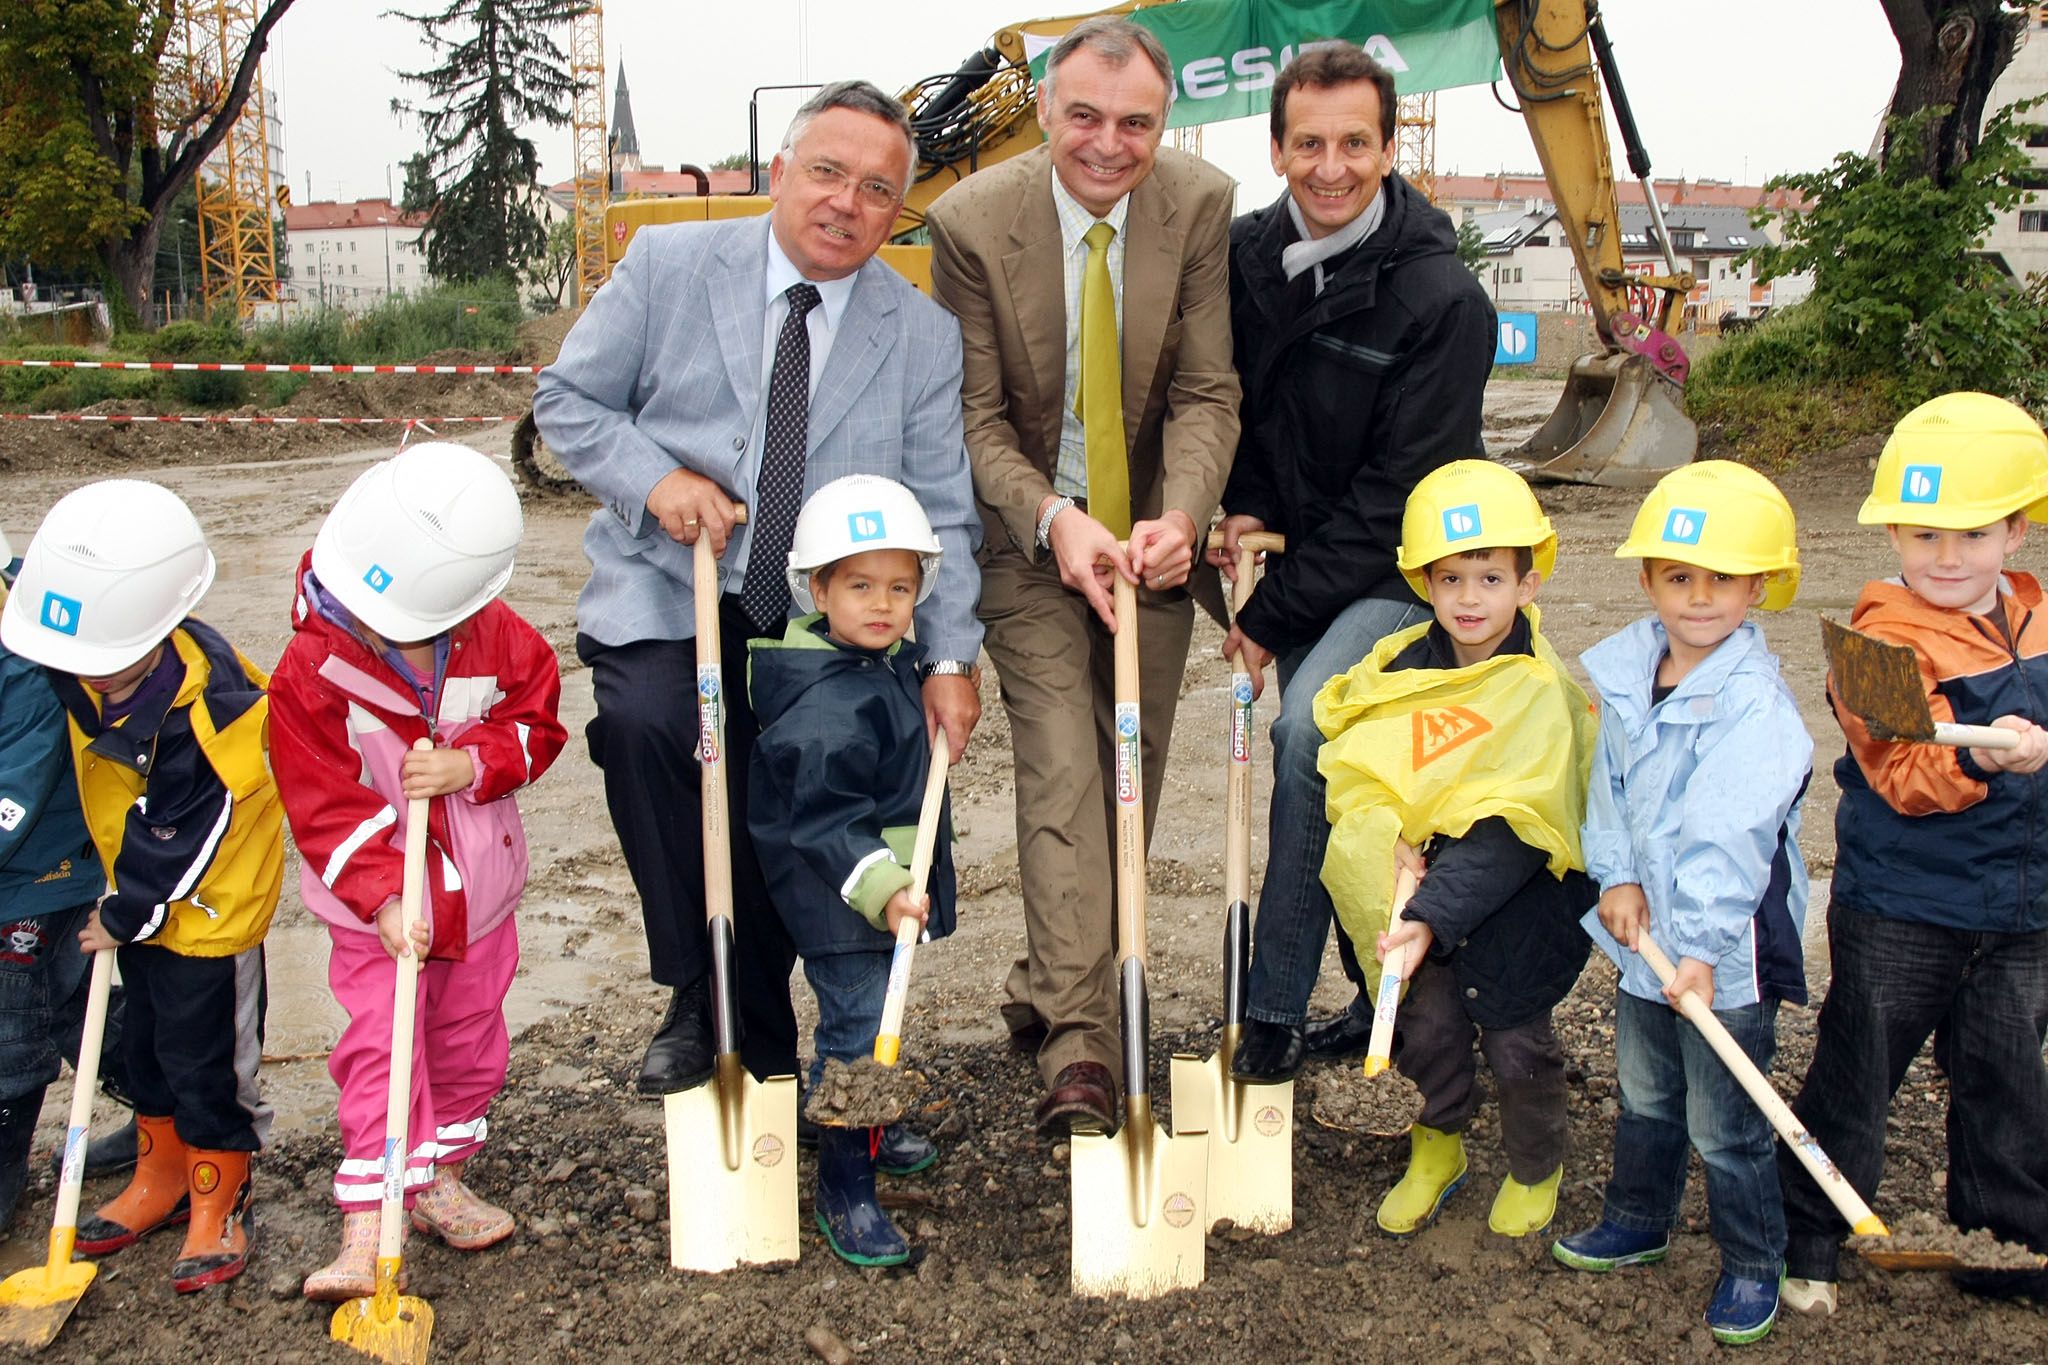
(779, 488)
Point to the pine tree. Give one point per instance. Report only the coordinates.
(500, 67)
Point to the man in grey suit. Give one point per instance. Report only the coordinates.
(748, 360)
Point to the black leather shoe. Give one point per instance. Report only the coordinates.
(1082, 1100)
(1267, 1054)
(681, 1054)
(1339, 1039)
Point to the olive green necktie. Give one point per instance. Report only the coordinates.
(1099, 401)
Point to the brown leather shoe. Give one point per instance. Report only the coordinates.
(1082, 1099)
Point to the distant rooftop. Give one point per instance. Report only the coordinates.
(1511, 188)
(325, 213)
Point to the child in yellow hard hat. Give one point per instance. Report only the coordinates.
(1938, 921)
(1464, 738)
(1692, 831)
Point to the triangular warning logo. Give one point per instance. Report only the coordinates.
(1440, 729)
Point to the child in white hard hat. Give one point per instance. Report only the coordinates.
(398, 635)
(1937, 924)
(167, 733)
(838, 777)
(1692, 831)
(1464, 739)
(49, 879)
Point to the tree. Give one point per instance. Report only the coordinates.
(99, 133)
(1471, 244)
(733, 161)
(1950, 53)
(551, 271)
(419, 193)
(500, 69)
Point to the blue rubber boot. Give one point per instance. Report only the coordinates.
(847, 1212)
(903, 1152)
(1608, 1246)
(1741, 1310)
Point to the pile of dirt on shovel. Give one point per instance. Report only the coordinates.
(1975, 1250)
(1345, 1100)
(862, 1094)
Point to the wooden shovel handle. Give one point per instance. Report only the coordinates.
(889, 1039)
(1758, 1087)
(1379, 1052)
(1258, 542)
(1130, 781)
(64, 1226)
(404, 997)
(1975, 736)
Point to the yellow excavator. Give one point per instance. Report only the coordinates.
(1621, 420)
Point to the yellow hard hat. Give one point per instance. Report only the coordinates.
(1470, 505)
(1958, 462)
(1724, 517)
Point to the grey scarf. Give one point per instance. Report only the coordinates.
(1313, 251)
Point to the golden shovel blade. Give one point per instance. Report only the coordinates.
(1251, 1141)
(37, 1302)
(385, 1324)
(1138, 1221)
(732, 1171)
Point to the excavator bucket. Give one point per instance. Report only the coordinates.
(1619, 424)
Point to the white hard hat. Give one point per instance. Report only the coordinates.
(114, 566)
(420, 541)
(858, 513)
(6, 551)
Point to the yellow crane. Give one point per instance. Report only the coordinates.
(237, 247)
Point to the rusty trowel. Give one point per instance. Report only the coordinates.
(1881, 683)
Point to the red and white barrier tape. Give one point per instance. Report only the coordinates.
(428, 423)
(254, 368)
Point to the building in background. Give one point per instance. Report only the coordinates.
(352, 256)
(2019, 236)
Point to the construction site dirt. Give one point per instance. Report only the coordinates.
(579, 1158)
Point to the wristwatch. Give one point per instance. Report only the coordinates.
(1045, 520)
(949, 668)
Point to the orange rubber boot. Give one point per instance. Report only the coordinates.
(155, 1197)
(218, 1242)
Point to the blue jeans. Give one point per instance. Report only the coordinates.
(1294, 909)
(43, 976)
(1674, 1089)
(1984, 997)
(850, 988)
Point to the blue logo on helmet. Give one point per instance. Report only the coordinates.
(1461, 523)
(60, 613)
(1921, 483)
(1682, 526)
(377, 578)
(865, 526)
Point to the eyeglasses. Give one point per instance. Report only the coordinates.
(874, 194)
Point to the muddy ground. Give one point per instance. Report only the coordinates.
(580, 1160)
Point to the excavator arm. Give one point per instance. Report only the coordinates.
(1621, 420)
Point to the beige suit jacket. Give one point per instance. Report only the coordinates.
(996, 266)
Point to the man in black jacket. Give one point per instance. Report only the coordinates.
(1364, 347)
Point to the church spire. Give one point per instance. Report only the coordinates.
(625, 141)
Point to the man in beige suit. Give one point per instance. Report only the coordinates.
(1013, 251)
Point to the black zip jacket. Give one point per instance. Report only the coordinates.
(1506, 927)
(1350, 397)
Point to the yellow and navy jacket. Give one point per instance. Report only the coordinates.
(1922, 833)
(180, 803)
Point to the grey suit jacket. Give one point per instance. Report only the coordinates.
(664, 370)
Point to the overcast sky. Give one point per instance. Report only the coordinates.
(1736, 90)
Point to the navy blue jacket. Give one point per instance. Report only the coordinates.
(836, 782)
(47, 861)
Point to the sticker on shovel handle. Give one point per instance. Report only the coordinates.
(1240, 718)
(1127, 753)
(710, 712)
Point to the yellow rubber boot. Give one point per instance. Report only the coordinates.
(1519, 1209)
(1436, 1167)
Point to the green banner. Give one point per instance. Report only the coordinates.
(1225, 53)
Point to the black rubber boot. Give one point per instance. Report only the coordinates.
(852, 1220)
(17, 1134)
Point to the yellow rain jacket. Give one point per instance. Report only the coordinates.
(1420, 752)
(181, 804)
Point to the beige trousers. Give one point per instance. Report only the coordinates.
(1056, 665)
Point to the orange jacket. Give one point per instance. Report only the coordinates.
(1922, 832)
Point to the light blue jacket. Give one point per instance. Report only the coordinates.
(1696, 799)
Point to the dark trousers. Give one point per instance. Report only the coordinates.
(1984, 997)
(644, 738)
(43, 978)
(192, 1040)
(1433, 1047)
